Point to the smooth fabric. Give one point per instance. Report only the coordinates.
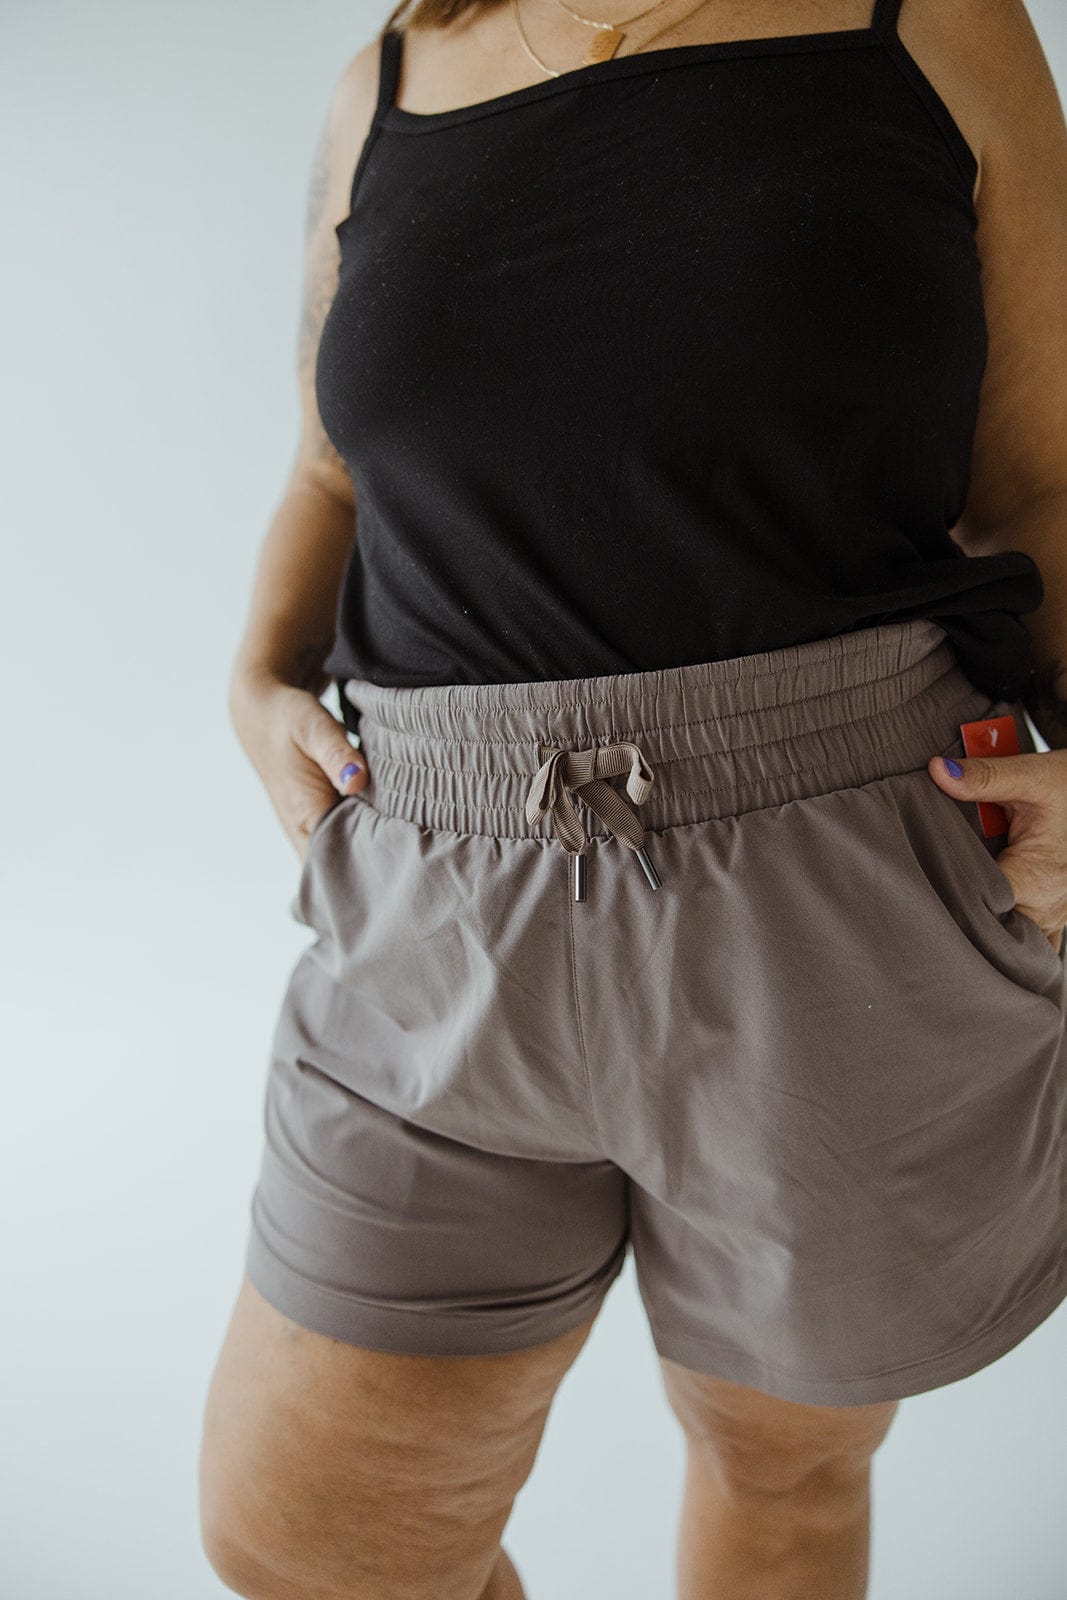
(816, 1080)
(673, 358)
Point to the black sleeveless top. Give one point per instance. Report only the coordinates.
(671, 358)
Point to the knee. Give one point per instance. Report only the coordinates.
(811, 1484)
(760, 1448)
(237, 1536)
(274, 1573)
(238, 1568)
(264, 1551)
(283, 1567)
(815, 1489)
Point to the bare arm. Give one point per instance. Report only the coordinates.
(1018, 492)
(299, 749)
(289, 627)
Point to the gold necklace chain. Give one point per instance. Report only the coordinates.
(609, 38)
(625, 23)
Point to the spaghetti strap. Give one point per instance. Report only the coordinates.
(885, 16)
(389, 66)
(388, 73)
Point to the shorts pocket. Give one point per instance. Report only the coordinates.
(962, 833)
(303, 902)
(960, 868)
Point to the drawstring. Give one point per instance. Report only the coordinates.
(584, 772)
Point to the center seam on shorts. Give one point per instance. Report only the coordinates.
(578, 1021)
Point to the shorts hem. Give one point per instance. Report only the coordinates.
(896, 1383)
(447, 1329)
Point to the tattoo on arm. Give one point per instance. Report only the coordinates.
(322, 265)
(1046, 704)
(319, 186)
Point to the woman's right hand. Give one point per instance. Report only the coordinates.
(300, 750)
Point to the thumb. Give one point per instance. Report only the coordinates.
(328, 745)
(1012, 779)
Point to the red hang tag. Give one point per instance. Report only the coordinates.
(991, 736)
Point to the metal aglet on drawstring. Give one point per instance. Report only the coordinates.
(584, 772)
(647, 868)
(578, 872)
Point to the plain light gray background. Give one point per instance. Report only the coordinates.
(156, 159)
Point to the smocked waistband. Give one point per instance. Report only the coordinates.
(703, 740)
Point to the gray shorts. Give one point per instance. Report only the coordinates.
(816, 1079)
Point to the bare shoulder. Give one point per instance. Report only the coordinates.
(987, 61)
(356, 94)
(345, 128)
(1024, 122)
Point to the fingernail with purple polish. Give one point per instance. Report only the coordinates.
(954, 768)
(350, 771)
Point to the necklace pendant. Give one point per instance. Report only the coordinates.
(605, 43)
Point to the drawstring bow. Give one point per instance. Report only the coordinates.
(568, 772)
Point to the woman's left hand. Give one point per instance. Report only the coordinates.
(1032, 788)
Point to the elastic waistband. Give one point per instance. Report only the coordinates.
(699, 741)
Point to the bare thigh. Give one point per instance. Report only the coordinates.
(331, 1470)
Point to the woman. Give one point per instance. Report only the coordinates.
(649, 914)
